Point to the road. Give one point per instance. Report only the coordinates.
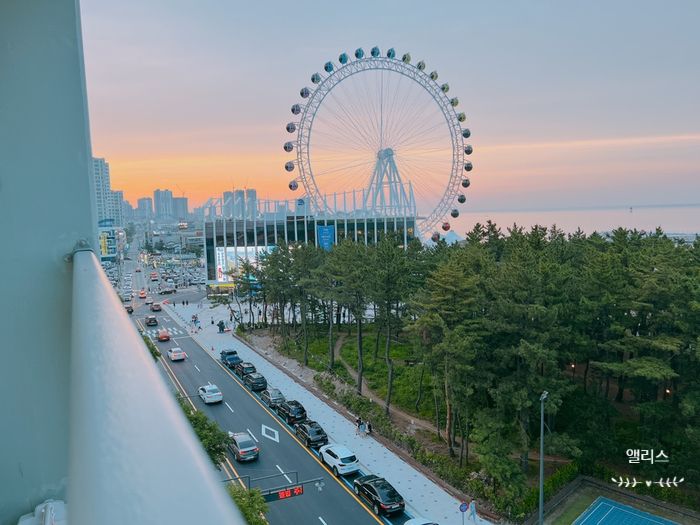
(283, 460)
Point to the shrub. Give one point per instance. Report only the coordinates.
(155, 353)
(250, 502)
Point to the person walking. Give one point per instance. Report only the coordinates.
(358, 423)
(368, 428)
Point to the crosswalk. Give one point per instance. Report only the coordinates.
(173, 331)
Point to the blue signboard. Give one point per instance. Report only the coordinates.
(326, 236)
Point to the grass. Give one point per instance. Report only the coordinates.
(574, 506)
(406, 378)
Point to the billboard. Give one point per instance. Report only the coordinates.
(222, 266)
(325, 236)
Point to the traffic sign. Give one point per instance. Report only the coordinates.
(463, 507)
(290, 492)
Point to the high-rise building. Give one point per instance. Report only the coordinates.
(144, 208)
(115, 208)
(238, 204)
(251, 204)
(127, 212)
(103, 190)
(163, 202)
(109, 203)
(180, 208)
(227, 204)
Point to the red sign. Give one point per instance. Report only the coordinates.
(290, 492)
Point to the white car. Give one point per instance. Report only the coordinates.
(149, 300)
(339, 458)
(210, 394)
(176, 354)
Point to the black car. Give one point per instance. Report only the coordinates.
(255, 381)
(243, 368)
(231, 360)
(151, 320)
(311, 434)
(271, 397)
(226, 352)
(379, 494)
(291, 411)
(129, 309)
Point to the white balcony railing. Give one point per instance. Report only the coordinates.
(133, 456)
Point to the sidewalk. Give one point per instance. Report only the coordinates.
(424, 498)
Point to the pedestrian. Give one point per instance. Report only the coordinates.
(212, 320)
(230, 317)
(362, 429)
(187, 302)
(358, 423)
(368, 429)
(183, 303)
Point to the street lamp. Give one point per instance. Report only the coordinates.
(543, 398)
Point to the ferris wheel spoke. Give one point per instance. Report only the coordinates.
(419, 134)
(352, 122)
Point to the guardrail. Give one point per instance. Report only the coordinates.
(133, 458)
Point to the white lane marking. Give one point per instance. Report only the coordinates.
(270, 433)
(210, 383)
(285, 476)
(322, 520)
(229, 406)
(198, 370)
(251, 435)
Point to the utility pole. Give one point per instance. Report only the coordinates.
(543, 398)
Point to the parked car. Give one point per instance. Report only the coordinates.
(243, 447)
(142, 294)
(163, 335)
(151, 320)
(149, 300)
(311, 434)
(176, 354)
(227, 352)
(232, 360)
(210, 394)
(379, 494)
(129, 309)
(255, 381)
(155, 307)
(291, 411)
(271, 397)
(244, 368)
(340, 459)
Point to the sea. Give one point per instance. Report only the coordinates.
(677, 221)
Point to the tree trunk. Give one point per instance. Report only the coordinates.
(448, 415)
(437, 408)
(420, 387)
(462, 441)
(306, 335)
(376, 342)
(331, 353)
(525, 454)
(585, 376)
(360, 363)
(607, 386)
(390, 367)
(620, 388)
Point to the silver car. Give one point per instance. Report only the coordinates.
(272, 397)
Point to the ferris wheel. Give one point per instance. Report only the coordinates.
(383, 126)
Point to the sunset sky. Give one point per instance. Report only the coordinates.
(571, 104)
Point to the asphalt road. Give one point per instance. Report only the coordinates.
(283, 460)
